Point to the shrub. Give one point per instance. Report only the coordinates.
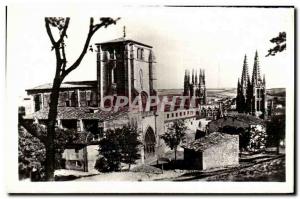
(102, 165)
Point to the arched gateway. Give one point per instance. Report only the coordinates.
(149, 143)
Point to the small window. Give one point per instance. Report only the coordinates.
(67, 103)
(167, 115)
(176, 114)
(142, 54)
(37, 102)
(137, 53)
(172, 114)
(180, 114)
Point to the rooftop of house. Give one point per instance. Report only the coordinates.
(210, 140)
(123, 39)
(81, 113)
(235, 120)
(66, 85)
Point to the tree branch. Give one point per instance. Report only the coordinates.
(47, 23)
(64, 59)
(92, 29)
(84, 50)
(64, 32)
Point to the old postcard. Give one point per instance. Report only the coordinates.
(150, 99)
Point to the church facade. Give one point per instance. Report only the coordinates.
(251, 94)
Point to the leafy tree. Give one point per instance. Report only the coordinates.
(110, 149)
(130, 145)
(119, 145)
(174, 135)
(280, 42)
(32, 152)
(276, 130)
(61, 25)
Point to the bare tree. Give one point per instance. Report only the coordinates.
(62, 70)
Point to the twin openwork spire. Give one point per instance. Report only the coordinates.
(194, 85)
(251, 95)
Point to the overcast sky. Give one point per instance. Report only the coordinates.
(214, 39)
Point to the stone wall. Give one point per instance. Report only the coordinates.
(223, 154)
(92, 156)
(74, 159)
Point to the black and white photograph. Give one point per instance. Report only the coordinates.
(150, 99)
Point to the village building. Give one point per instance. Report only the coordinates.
(212, 151)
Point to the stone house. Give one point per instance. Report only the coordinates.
(212, 151)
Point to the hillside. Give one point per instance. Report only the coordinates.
(222, 92)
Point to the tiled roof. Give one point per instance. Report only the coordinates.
(246, 118)
(80, 113)
(210, 140)
(73, 84)
(122, 39)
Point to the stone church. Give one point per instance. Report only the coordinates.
(124, 68)
(127, 68)
(251, 94)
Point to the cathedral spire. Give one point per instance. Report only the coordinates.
(196, 78)
(188, 76)
(256, 70)
(245, 73)
(200, 77)
(193, 77)
(203, 77)
(124, 31)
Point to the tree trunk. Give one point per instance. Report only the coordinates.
(175, 150)
(50, 145)
(278, 147)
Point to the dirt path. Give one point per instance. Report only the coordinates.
(261, 169)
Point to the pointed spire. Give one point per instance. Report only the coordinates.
(203, 77)
(124, 31)
(193, 77)
(188, 76)
(256, 70)
(196, 78)
(200, 77)
(245, 73)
